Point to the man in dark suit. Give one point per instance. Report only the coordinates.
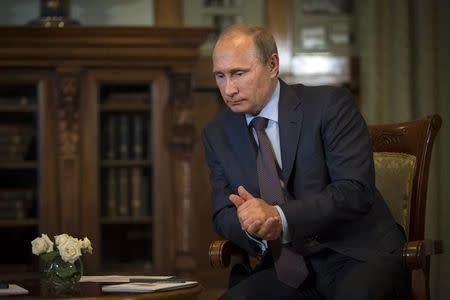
(332, 216)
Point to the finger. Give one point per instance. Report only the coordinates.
(265, 227)
(244, 193)
(253, 228)
(237, 201)
(269, 230)
(252, 223)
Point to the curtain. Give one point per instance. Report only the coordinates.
(405, 74)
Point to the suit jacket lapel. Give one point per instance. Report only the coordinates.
(290, 118)
(243, 148)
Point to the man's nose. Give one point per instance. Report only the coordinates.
(230, 88)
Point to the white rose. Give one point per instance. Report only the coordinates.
(86, 245)
(70, 250)
(41, 245)
(48, 241)
(61, 239)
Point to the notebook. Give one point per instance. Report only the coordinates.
(148, 287)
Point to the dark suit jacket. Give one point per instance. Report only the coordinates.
(327, 166)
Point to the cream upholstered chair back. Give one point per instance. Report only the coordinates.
(402, 154)
(394, 175)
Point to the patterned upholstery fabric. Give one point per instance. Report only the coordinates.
(394, 174)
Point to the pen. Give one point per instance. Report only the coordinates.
(152, 280)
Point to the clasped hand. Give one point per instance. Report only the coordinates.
(256, 216)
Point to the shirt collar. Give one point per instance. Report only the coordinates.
(270, 110)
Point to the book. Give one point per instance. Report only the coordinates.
(124, 140)
(15, 203)
(136, 192)
(111, 193)
(110, 139)
(123, 208)
(138, 136)
(127, 97)
(16, 100)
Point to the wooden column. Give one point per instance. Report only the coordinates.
(68, 131)
(182, 141)
(168, 13)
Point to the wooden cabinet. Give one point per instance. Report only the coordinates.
(27, 163)
(106, 119)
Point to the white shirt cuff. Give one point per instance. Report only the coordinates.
(285, 235)
(262, 243)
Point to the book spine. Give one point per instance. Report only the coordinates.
(124, 137)
(138, 136)
(123, 192)
(136, 192)
(110, 137)
(111, 198)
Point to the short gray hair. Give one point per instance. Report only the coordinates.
(263, 39)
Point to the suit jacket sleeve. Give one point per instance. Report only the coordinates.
(225, 220)
(347, 155)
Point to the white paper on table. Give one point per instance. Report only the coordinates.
(119, 278)
(146, 287)
(13, 289)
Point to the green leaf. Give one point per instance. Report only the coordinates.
(47, 257)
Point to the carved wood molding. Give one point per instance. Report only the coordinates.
(138, 46)
(387, 137)
(182, 136)
(68, 116)
(182, 140)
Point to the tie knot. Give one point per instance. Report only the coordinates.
(259, 123)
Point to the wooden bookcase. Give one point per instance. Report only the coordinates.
(105, 116)
(27, 164)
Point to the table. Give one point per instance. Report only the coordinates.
(93, 291)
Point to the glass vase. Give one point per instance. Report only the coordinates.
(60, 278)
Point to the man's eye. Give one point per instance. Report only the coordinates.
(219, 76)
(240, 73)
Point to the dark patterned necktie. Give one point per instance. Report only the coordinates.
(289, 265)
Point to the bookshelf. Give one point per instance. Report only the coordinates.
(24, 140)
(126, 103)
(102, 160)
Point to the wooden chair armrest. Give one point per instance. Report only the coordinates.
(416, 253)
(223, 252)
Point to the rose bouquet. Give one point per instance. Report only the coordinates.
(68, 247)
(61, 264)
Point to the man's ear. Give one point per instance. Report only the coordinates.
(274, 64)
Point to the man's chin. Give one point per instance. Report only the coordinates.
(239, 108)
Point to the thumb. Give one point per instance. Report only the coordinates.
(237, 201)
(244, 193)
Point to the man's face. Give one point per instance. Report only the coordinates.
(245, 83)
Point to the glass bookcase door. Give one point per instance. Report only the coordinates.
(18, 173)
(27, 170)
(130, 183)
(126, 172)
